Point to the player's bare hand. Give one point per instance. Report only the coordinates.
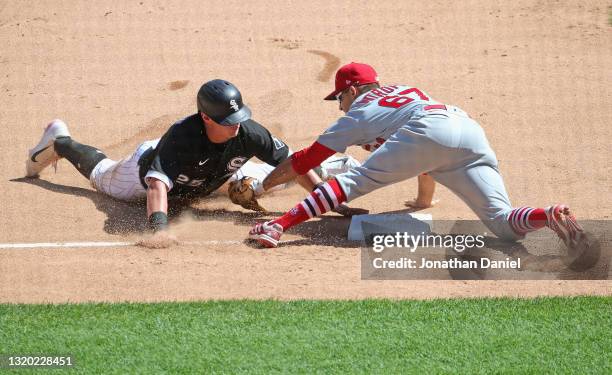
(416, 204)
(347, 211)
(159, 240)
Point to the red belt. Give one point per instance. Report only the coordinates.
(435, 106)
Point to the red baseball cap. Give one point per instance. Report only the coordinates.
(353, 74)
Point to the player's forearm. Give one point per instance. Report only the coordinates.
(281, 174)
(427, 186)
(299, 164)
(157, 197)
(309, 180)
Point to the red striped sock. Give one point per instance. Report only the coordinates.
(323, 199)
(527, 219)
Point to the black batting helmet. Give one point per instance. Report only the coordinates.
(221, 101)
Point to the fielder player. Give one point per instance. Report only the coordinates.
(411, 135)
(196, 156)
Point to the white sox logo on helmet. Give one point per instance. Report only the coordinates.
(234, 105)
(236, 163)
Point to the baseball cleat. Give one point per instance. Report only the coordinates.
(266, 234)
(43, 154)
(560, 219)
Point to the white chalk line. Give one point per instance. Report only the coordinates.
(47, 245)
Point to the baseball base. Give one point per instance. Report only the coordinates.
(389, 223)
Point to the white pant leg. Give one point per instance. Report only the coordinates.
(482, 188)
(336, 165)
(404, 155)
(329, 168)
(456, 153)
(252, 169)
(121, 180)
(258, 171)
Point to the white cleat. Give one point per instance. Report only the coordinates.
(43, 154)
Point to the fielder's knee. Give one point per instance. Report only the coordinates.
(83, 157)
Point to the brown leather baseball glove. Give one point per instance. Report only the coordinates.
(242, 193)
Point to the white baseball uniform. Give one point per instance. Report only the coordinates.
(120, 179)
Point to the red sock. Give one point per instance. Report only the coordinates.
(527, 219)
(294, 216)
(323, 199)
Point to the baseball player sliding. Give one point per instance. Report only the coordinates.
(411, 135)
(195, 157)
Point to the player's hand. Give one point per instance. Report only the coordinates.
(347, 211)
(416, 204)
(159, 240)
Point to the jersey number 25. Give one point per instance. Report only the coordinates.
(402, 98)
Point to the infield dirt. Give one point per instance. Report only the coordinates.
(537, 75)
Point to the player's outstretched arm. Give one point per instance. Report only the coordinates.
(283, 173)
(300, 163)
(157, 213)
(157, 197)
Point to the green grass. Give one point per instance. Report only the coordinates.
(374, 336)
